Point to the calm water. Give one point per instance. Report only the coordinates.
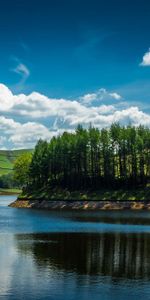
(73, 255)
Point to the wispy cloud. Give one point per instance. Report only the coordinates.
(23, 71)
(146, 59)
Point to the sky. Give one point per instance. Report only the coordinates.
(65, 62)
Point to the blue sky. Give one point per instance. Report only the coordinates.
(93, 55)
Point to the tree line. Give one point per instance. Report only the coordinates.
(7, 181)
(90, 159)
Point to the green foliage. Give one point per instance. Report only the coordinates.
(7, 181)
(39, 167)
(92, 159)
(7, 158)
(21, 169)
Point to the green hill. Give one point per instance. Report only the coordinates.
(7, 158)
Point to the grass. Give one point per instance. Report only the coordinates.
(9, 191)
(141, 193)
(7, 158)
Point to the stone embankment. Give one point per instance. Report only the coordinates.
(81, 205)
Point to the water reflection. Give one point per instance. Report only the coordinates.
(110, 263)
(124, 256)
(112, 217)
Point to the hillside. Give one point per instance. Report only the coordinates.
(7, 158)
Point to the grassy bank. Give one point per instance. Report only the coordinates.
(58, 199)
(137, 194)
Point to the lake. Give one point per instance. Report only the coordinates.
(73, 255)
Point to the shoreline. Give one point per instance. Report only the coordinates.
(81, 205)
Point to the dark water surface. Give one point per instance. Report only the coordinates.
(73, 255)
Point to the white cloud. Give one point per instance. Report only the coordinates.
(22, 135)
(5, 98)
(115, 96)
(26, 135)
(26, 118)
(146, 59)
(98, 96)
(88, 98)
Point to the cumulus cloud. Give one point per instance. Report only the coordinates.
(5, 98)
(26, 118)
(26, 135)
(146, 59)
(22, 135)
(88, 98)
(98, 96)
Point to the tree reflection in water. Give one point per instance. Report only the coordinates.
(116, 255)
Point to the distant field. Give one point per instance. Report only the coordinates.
(7, 158)
(10, 191)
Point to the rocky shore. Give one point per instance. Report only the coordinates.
(81, 205)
